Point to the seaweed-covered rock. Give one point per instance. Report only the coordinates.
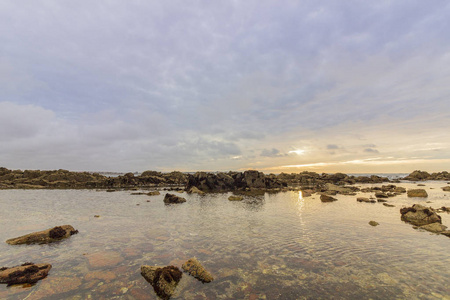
(164, 280)
(419, 215)
(194, 268)
(326, 198)
(26, 273)
(44, 237)
(171, 198)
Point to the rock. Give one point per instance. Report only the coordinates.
(417, 193)
(195, 190)
(26, 273)
(417, 175)
(194, 268)
(153, 193)
(55, 287)
(434, 227)
(446, 188)
(399, 190)
(443, 209)
(381, 200)
(164, 280)
(373, 223)
(96, 216)
(388, 205)
(235, 198)
(46, 236)
(326, 198)
(419, 215)
(380, 195)
(171, 198)
(364, 199)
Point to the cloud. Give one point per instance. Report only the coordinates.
(158, 85)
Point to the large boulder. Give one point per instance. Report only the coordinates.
(44, 237)
(417, 175)
(194, 268)
(419, 215)
(171, 198)
(164, 280)
(417, 193)
(26, 273)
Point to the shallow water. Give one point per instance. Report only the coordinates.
(277, 246)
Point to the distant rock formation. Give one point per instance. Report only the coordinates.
(422, 175)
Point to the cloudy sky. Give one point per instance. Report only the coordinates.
(325, 86)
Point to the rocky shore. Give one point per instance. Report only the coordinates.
(199, 182)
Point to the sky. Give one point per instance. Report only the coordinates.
(276, 86)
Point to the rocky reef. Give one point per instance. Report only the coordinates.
(422, 176)
(45, 236)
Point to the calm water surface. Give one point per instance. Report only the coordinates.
(277, 246)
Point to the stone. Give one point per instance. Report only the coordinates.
(326, 198)
(153, 193)
(104, 259)
(446, 188)
(100, 275)
(171, 199)
(366, 200)
(164, 280)
(434, 227)
(373, 223)
(417, 193)
(25, 273)
(44, 237)
(194, 268)
(381, 195)
(235, 198)
(388, 205)
(419, 215)
(195, 190)
(381, 200)
(399, 190)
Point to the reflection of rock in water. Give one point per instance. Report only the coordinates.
(254, 203)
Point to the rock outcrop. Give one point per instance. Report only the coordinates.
(422, 175)
(419, 215)
(164, 280)
(44, 237)
(171, 199)
(421, 193)
(194, 268)
(26, 273)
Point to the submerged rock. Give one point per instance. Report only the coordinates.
(235, 198)
(171, 198)
(164, 280)
(417, 193)
(326, 198)
(26, 273)
(194, 268)
(153, 193)
(419, 215)
(373, 223)
(44, 237)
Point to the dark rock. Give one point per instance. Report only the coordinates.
(381, 200)
(26, 273)
(388, 205)
(235, 198)
(194, 268)
(44, 237)
(419, 215)
(171, 198)
(164, 280)
(381, 195)
(373, 223)
(326, 198)
(446, 188)
(364, 199)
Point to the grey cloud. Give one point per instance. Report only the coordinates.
(371, 150)
(272, 153)
(332, 147)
